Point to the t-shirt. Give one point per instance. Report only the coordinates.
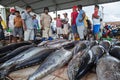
(11, 21)
(80, 17)
(18, 21)
(85, 21)
(35, 22)
(97, 21)
(66, 20)
(58, 22)
(28, 20)
(74, 16)
(46, 19)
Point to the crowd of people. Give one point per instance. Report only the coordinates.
(25, 25)
(21, 27)
(81, 26)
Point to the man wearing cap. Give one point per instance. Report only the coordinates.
(45, 21)
(10, 23)
(27, 22)
(74, 15)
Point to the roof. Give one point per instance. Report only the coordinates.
(53, 5)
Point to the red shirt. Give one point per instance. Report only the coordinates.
(74, 16)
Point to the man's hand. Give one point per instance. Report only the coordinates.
(42, 28)
(25, 28)
(80, 20)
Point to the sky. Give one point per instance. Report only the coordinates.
(111, 11)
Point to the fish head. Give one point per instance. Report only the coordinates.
(106, 44)
(98, 51)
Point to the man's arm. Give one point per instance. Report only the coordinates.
(23, 21)
(24, 25)
(71, 19)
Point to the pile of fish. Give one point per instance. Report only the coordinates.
(80, 56)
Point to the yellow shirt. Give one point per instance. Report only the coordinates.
(85, 22)
(3, 24)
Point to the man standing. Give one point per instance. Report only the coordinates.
(65, 26)
(45, 23)
(80, 22)
(10, 23)
(59, 26)
(74, 15)
(96, 21)
(18, 29)
(36, 26)
(28, 24)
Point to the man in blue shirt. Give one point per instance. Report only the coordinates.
(28, 24)
(36, 26)
(80, 22)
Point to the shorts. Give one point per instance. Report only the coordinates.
(29, 34)
(11, 30)
(65, 30)
(74, 29)
(96, 29)
(18, 31)
(47, 32)
(59, 30)
(2, 36)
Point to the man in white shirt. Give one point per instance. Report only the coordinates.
(10, 23)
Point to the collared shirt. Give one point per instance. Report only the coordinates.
(80, 17)
(28, 20)
(18, 21)
(46, 20)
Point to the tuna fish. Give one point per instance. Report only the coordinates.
(115, 52)
(54, 42)
(24, 56)
(55, 61)
(98, 51)
(108, 68)
(7, 49)
(80, 64)
(84, 61)
(15, 53)
(35, 59)
(79, 47)
(117, 43)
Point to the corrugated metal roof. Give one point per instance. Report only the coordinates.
(38, 5)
